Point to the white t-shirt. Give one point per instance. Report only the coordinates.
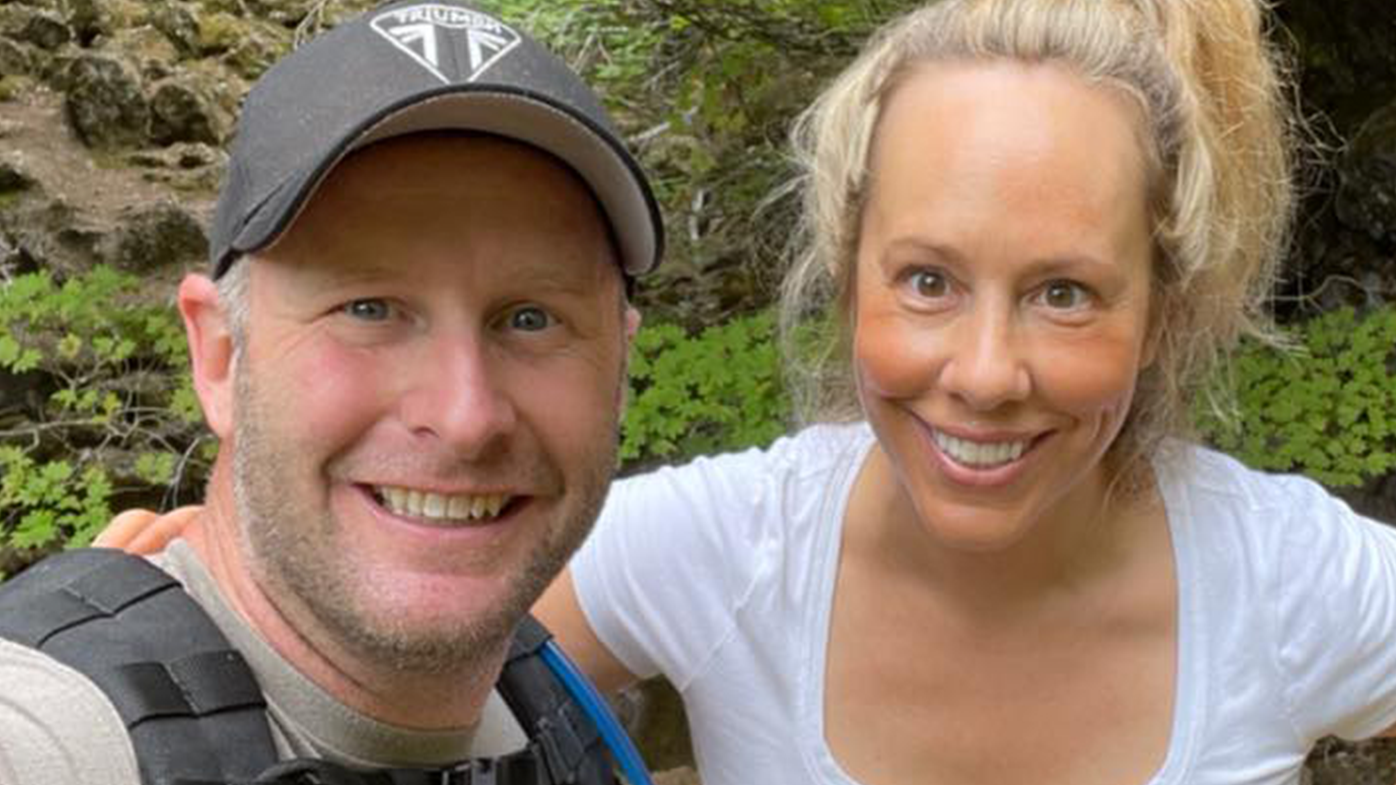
(720, 575)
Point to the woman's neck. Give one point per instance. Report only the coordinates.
(1091, 536)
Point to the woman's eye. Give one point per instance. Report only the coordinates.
(530, 318)
(369, 310)
(1064, 295)
(929, 284)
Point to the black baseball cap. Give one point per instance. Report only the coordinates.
(409, 67)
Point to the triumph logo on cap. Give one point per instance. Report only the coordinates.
(426, 32)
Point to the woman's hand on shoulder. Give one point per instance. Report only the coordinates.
(145, 532)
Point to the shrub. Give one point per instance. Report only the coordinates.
(1327, 410)
(694, 394)
(95, 403)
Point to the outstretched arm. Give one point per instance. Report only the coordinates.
(562, 614)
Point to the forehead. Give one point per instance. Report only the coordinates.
(1034, 146)
(958, 114)
(451, 198)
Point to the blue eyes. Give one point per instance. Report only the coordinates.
(524, 318)
(368, 310)
(530, 318)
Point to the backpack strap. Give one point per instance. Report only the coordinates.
(561, 735)
(189, 701)
(192, 706)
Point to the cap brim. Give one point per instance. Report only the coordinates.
(612, 175)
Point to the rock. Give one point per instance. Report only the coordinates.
(1336, 762)
(180, 113)
(1367, 175)
(13, 177)
(89, 20)
(251, 58)
(219, 32)
(49, 233)
(180, 155)
(15, 58)
(184, 166)
(178, 24)
(247, 46)
(104, 103)
(159, 236)
(45, 30)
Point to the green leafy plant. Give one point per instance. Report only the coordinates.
(694, 394)
(1327, 409)
(95, 405)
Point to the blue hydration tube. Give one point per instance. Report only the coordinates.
(627, 757)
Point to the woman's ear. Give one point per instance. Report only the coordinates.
(211, 355)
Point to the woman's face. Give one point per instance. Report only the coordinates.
(1001, 295)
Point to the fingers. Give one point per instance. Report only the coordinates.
(124, 528)
(143, 531)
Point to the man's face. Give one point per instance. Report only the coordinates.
(427, 399)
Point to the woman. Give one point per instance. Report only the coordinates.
(1038, 224)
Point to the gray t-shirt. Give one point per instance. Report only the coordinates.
(58, 728)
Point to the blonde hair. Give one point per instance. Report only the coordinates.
(1216, 133)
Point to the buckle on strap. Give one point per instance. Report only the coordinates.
(471, 772)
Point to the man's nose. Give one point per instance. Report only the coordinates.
(986, 366)
(459, 397)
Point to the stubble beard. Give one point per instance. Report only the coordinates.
(291, 551)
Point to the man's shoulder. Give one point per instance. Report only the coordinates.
(126, 635)
(56, 725)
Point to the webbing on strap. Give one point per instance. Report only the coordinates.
(189, 701)
(192, 705)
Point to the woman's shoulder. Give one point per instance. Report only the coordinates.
(1206, 475)
(1232, 508)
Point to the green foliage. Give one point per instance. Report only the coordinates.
(691, 395)
(1327, 410)
(96, 402)
(705, 92)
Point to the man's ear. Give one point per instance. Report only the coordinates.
(632, 326)
(210, 337)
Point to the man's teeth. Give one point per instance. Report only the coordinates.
(979, 454)
(439, 506)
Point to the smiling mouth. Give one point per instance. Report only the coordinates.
(442, 508)
(980, 455)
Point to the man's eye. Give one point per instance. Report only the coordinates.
(1064, 295)
(530, 318)
(929, 284)
(368, 310)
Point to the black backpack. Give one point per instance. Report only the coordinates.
(193, 708)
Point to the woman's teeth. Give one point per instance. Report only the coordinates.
(438, 506)
(979, 455)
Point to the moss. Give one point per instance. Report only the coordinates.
(261, 45)
(15, 86)
(220, 32)
(127, 14)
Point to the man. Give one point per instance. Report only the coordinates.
(412, 348)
